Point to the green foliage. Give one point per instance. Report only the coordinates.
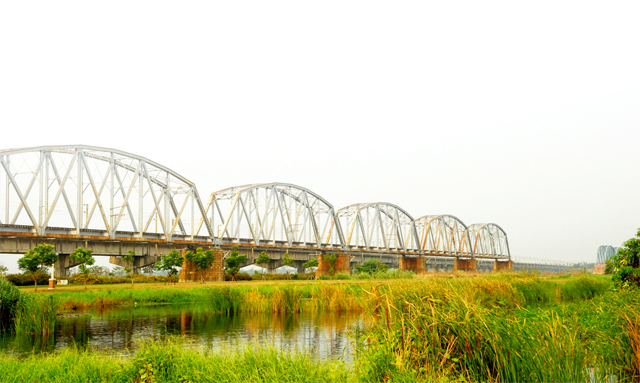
(99, 270)
(309, 265)
(128, 263)
(3, 270)
(42, 278)
(25, 313)
(371, 266)
(202, 260)
(331, 261)
(85, 257)
(41, 255)
(9, 296)
(626, 263)
(170, 263)
(287, 261)
(263, 261)
(233, 261)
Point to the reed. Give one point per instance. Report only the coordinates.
(480, 330)
(171, 361)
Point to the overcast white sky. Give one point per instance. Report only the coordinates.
(522, 114)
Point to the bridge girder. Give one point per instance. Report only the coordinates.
(274, 213)
(79, 189)
(443, 235)
(378, 226)
(489, 239)
(605, 252)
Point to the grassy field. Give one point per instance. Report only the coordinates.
(503, 327)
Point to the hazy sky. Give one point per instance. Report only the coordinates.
(522, 114)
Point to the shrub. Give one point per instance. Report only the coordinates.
(9, 296)
(27, 280)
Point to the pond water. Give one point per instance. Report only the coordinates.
(120, 330)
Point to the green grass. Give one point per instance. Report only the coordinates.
(494, 329)
(503, 327)
(170, 361)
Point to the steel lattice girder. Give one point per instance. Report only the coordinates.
(443, 234)
(98, 187)
(378, 226)
(488, 239)
(605, 252)
(273, 213)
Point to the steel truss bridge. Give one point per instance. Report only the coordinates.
(113, 201)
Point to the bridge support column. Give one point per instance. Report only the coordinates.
(298, 265)
(63, 264)
(138, 261)
(465, 264)
(502, 265)
(417, 264)
(273, 265)
(214, 274)
(341, 265)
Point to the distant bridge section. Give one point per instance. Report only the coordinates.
(605, 252)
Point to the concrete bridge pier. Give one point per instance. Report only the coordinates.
(341, 265)
(273, 265)
(299, 267)
(214, 273)
(138, 261)
(417, 264)
(502, 265)
(63, 264)
(469, 264)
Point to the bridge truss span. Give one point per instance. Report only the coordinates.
(605, 252)
(489, 241)
(273, 214)
(443, 235)
(381, 227)
(79, 190)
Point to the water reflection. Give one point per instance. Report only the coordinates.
(121, 330)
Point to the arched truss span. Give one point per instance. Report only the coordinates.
(273, 214)
(78, 189)
(605, 252)
(443, 235)
(378, 227)
(488, 239)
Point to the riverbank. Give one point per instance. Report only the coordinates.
(509, 327)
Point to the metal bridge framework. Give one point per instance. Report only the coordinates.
(116, 201)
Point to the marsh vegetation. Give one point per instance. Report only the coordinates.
(507, 327)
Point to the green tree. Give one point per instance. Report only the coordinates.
(117, 271)
(310, 264)
(371, 266)
(233, 261)
(201, 259)
(331, 261)
(41, 255)
(287, 261)
(85, 257)
(3, 269)
(170, 264)
(626, 263)
(128, 263)
(263, 260)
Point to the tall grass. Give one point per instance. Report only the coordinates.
(35, 316)
(479, 331)
(170, 361)
(26, 314)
